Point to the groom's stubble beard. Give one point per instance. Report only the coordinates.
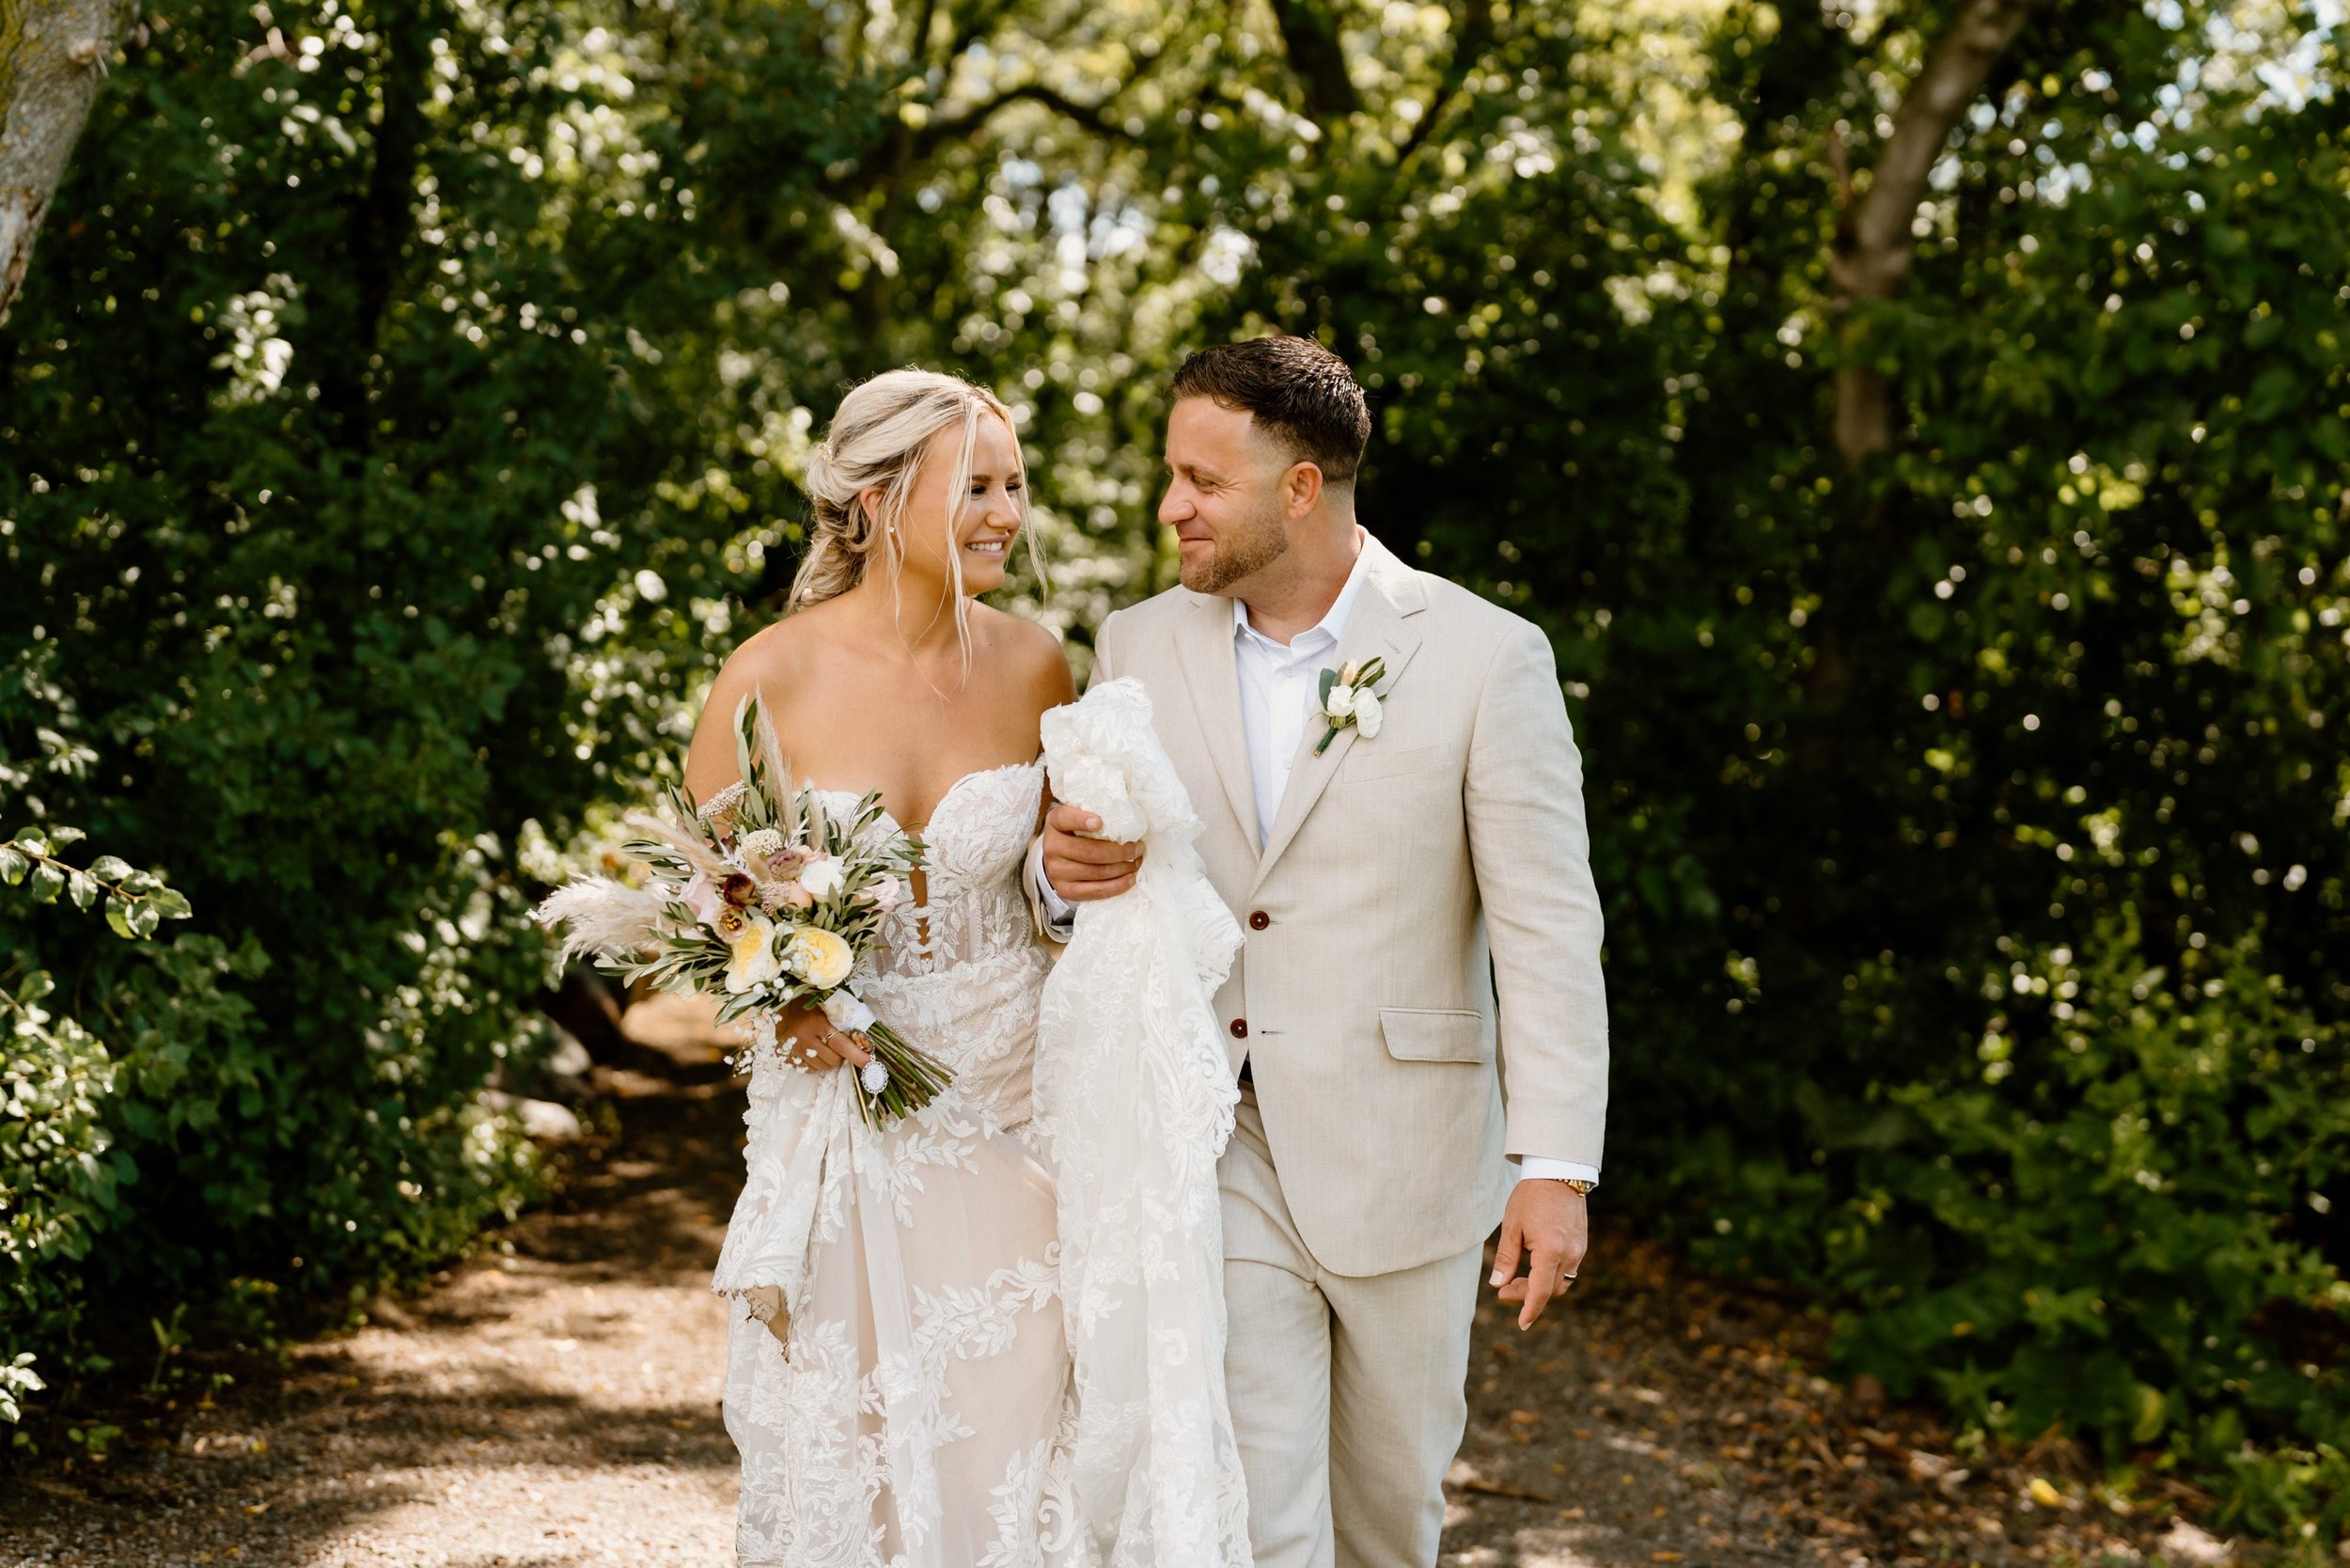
(1242, 553)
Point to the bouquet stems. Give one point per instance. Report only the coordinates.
(911, 1078)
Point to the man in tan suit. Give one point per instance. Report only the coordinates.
(1420, 925)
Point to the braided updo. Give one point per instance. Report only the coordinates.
(877, 438)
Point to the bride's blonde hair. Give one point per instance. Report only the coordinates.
(877, 437)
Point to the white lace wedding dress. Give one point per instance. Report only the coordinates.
(917, 1421)
(1135, 1100)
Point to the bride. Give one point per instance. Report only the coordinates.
(908, 1408)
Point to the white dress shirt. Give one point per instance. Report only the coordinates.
(1280, 692)
(1279, 695)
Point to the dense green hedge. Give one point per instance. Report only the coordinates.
(1971, 820)
(341, 501)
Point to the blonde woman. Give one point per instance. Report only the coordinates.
(904, 1410)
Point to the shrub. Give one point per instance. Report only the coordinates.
(60, 1175)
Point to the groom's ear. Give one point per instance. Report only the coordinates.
(1300, 489)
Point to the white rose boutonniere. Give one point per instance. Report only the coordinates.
(1347, 698)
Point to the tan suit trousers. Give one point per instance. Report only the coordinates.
(1347, 1392)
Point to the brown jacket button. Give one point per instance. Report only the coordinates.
(1240, 1028)
(1259, 920)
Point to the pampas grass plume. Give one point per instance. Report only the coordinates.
(601, 917)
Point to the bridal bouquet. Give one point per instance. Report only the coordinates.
(761, 898)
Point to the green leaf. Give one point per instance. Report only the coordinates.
(46, 882)
(169, 902)
(1329, 678)
(110, 868)
(13, 865)
(82, 887)
(119, 917)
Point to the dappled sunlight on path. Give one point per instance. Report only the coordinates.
(555, 1403)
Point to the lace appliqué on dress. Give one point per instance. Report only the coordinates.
(1135, 1102)
(919, 1418)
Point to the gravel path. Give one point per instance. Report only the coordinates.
(555, 1403)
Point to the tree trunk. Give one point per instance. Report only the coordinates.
(1874, 246)
(52, 54)
(1310, 34)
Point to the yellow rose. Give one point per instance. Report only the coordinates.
(751, 960)
(819, 957)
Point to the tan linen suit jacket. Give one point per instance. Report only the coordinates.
(1420, 928)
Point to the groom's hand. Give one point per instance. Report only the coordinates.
(1082, 868)
(1545, 1227)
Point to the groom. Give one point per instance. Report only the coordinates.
(1419, 919)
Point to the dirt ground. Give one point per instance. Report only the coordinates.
(555, 1402)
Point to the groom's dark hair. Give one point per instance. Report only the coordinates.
(1302, 394)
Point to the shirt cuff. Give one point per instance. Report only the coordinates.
(1534, 1167)
(1060, 915)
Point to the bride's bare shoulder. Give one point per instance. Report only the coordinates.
(759, 660)
(770, 660)
(1032, 656)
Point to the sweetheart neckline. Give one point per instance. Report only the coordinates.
(924, 825)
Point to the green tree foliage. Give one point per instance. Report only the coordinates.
(59, 1181)
(310, 400)
(405, 408)
(1879, 745)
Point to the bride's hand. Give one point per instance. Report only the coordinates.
(810, 1041)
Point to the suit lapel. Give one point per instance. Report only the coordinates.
(1204, 649)
(1378, 626)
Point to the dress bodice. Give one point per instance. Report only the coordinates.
(971, 908)
(958, 970)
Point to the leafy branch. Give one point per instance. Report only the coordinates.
(137, 902)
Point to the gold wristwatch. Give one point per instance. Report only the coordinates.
(1579, 1184)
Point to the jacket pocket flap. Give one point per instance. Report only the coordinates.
(1436, 1034)
(1367, 763)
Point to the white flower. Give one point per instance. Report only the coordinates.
(1352, 700)
(820, 957)
(752, 960)
(846, 1012)
(758, 845)
(884, 894)
(823, 876)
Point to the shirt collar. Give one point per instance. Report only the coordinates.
(1333, 622)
